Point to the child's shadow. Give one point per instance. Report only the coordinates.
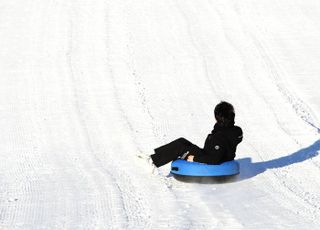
(249, 169)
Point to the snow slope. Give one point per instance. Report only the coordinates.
(86, 85)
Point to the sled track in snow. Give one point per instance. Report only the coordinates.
(301, 109)
(112, 204)
(299, 106)
(130, 203)
(214, 87)
(137, 199)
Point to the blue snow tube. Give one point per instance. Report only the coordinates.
(186, 168)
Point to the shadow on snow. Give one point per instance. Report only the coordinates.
(249, 169)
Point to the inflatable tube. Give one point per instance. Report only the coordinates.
(186, 168)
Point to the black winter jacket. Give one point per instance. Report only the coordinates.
(220, 145)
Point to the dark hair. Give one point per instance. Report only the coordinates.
(224, 114)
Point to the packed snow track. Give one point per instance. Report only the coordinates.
(85, 86)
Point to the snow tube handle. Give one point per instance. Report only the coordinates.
(175, 169)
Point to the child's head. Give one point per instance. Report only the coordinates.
(224, 114)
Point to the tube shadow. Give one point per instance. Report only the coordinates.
(249, 169)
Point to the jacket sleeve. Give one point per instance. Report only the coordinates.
(214, 150)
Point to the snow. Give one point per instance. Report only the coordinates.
(86, 85)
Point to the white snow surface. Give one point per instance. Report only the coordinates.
(87, 85)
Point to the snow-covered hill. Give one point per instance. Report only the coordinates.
(86, 85)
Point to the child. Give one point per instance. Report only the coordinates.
(220, 145)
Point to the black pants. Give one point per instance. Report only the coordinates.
(173, 151)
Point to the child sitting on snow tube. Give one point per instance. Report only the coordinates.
(220, 145)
